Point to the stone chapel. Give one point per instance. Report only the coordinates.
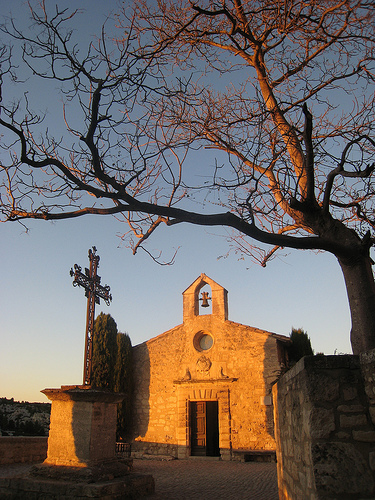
(204, 387)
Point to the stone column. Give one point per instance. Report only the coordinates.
(83, 426)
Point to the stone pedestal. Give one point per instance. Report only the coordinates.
(81, 458)
(83, 426)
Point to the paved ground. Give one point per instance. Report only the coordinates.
(210, 480)
(199, 479)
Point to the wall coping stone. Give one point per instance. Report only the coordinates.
(85, 393)
(21, 439)
(332, 362)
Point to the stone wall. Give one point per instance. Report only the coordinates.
(324, 426)
(17, 449)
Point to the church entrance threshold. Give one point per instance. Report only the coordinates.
(204, 428)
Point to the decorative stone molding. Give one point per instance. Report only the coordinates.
(203, 364)
(206, 381)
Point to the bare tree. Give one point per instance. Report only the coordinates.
(286, 91)
(281, 91)
(90, 168)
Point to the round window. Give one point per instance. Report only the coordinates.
(203, 341)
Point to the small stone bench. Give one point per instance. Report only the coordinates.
(254, 455)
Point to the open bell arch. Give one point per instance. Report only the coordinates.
(219, 298)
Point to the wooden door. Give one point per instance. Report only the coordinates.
(204, 428)
(198, 428)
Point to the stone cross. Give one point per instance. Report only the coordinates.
(90, 281)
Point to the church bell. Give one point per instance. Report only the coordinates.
(205, 299)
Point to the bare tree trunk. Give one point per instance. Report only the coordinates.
(360, 288)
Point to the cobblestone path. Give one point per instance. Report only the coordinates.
(210, 480)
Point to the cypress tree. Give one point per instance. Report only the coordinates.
(123, 382)
(112, 367)
(301, 345)
(104, 352)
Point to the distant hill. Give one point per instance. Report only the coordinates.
(24, 418)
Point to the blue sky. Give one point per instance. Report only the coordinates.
(43, 316)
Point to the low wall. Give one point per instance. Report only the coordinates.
(324, 428)
(17, 449)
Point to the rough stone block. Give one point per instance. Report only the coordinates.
(349, 393)
(365, 436)
(343, 435)
(372, 413)
(340, 469)
(322, 387)
(353, 420)
(322, 423)
(351, 408)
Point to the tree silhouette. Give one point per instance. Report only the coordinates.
(301, 345)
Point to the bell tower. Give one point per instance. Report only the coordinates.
(219, 299)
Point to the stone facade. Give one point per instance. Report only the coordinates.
(204, 387)
(325, 428)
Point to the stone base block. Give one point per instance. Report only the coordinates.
(106, 471)
(131, 486)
